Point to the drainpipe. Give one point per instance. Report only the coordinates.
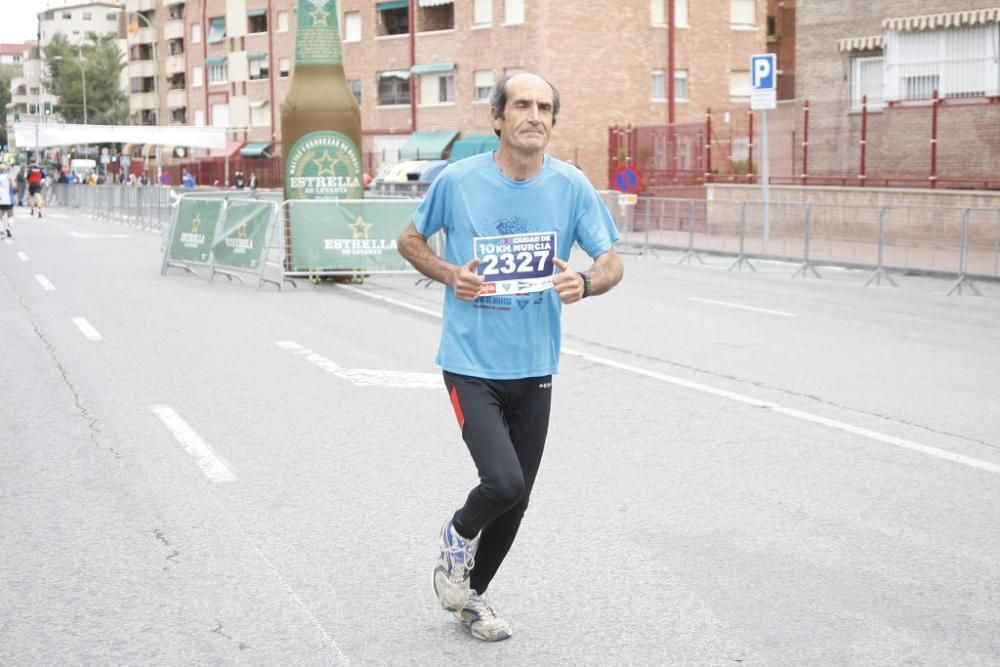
(272, 70)
(411, 8)
(672, 33)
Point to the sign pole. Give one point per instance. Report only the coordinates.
(766, 174)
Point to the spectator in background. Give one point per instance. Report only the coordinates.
(166, 179)
(22, 185)
(144, 179)
(188, 180)
(253, 181)
(238, 180)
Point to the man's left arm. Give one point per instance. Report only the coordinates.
(606, 272)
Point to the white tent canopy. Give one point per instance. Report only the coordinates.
(41, 135)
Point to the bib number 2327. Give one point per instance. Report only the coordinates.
(516, 263)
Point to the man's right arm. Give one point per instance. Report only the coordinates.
(414, 248)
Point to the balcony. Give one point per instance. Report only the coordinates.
(142, 35)
(167, 3)
(141, 5)
(173, 65)
(141, 68)
(173, 30)
(176, 98)
(142, 101)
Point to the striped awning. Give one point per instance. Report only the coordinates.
(869, 43)
(946, 20)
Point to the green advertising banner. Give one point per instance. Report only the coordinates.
(243, 238)
(348, 236)
(194, 230)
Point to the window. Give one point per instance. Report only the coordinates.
(739, 86)
(355, 87)
(482, 12)
(511, 71)
(111, 17)
(178, 116)
(742, 13)
(866, 79)
(142, 85)
(199, 117)
(513, 11)
(220, 115)
(282, 21)
(257, 21)
(176, 47)
(437, 89)
(48, 16)
(218, 72)
(87, 16)
(482, 85)
(681, 13)
(176, 81)
(393, 17)
(176, 12)
(658, 85)
(393, 87)
(680, 84)
(216, 29)
(196, 33)
(284, 67)
(260, 114)
(437, 17)
(259, 66)
(352, 26)
(66, 15)
(196, 77)
(957, 62)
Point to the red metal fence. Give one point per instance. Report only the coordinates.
(936, 144)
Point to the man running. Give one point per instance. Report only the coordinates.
(7, 197)
(36, 179)
(511, 218)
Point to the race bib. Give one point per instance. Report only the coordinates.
(516, 263)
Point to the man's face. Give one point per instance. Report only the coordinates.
(526, 126)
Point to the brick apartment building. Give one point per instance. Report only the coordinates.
(228, 63)
(896, 54)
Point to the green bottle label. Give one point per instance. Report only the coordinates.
(324, 165)
(317, 39)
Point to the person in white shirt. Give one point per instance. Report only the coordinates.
(7, 196)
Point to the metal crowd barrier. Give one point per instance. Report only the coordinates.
(143, 206)
(962, 242)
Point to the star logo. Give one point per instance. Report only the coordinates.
(242, 232)
(196, 223)
(319, 16)
(360, 228)
(325, 165)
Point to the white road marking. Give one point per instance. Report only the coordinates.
(8, 241)
(396, 302)
(86, 329)
(366, 377)
(213, 465)
(83, 235)
(742, 307)
(23, 256)
(722, 393)
(45, 283)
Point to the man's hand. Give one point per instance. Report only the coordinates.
(567, 283)
(466, 282)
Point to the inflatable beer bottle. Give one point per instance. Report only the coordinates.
(320, 118)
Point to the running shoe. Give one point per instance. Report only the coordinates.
(451, 576)
(482, 620)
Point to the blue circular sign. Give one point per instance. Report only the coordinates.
(626, 179)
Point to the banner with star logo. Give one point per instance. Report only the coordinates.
(317, 38)
(358, 235)
(193, 231)
(243, 238)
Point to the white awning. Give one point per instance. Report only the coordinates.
(947, 20)
(869, 43)
(40, 135)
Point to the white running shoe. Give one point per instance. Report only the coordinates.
(451, 575)
(482, 620)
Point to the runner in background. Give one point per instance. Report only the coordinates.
(36, 181)
(8, 195)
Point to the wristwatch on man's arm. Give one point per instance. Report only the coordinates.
(587, 289)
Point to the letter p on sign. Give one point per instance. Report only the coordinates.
(762, 69)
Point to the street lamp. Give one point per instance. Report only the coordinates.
(156, 86)
(83, 76)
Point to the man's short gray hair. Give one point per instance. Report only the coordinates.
(498, 99)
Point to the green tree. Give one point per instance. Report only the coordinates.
(5, 77)
(100, 58)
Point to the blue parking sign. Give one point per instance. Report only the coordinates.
(763, 71)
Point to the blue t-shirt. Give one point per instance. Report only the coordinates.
(509, 337)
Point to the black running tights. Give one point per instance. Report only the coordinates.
(504, 424)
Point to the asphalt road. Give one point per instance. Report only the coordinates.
(742, 468)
